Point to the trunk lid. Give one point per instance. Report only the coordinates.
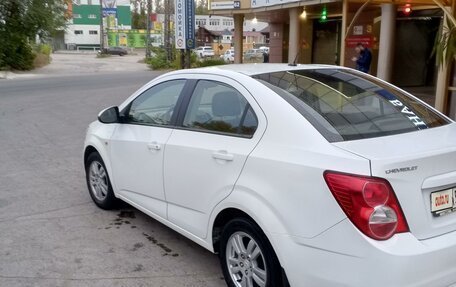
(416, 164)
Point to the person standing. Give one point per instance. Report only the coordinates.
(364, 59)
(265, 56)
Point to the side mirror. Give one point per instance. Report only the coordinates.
(109, 116)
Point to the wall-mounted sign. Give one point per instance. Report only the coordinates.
(352, 41)
(358, 30)
(261, 3)
(109, 7)
(180, 24)
(222, 5)
(190, 25)
(237, 4)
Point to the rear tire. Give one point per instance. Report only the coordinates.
(247, 257)
(98, 182)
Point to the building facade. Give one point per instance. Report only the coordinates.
(83, 30)
(401, 35)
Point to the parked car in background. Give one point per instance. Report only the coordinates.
(228, 56)
(121, 51)
(264, 49)
(311, 175)
(204, 52)
(253, 54)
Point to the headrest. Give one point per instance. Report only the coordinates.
(225, 104)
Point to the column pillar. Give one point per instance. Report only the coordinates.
(343, 31)
(238, 37)
(386, 46)
(441, 86)
(445, 73)
(293, 38)
(275, 42)
(441, 89)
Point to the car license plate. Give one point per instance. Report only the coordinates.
(443, 202)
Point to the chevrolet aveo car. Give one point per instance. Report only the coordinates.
(301, 175)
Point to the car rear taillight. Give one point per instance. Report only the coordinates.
(369, 202)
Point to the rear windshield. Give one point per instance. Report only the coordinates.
(346, 105)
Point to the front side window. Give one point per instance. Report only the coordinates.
(220, 108)
(344, 105)
(156, 105)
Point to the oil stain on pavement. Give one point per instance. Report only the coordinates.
(125, 217)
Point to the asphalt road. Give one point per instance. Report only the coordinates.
(51, 234)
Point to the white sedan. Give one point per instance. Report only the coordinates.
(228, 56)
(300, 175)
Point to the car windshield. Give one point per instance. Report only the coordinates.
(347, 105)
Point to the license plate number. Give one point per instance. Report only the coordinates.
(443, 202)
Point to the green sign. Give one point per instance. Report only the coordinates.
(131, 38)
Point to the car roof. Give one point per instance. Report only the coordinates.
(256, 68)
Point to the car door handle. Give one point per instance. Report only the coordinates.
(223, 155)
(154, 146)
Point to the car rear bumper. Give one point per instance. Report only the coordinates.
(342, 256)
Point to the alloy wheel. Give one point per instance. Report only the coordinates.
(98, 180)
(245, 261)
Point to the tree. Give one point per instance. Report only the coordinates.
(445, 43)
(201, 7)
(159, 6)
(15, 51)
(43, 17)
(138, 15)
(21, 21)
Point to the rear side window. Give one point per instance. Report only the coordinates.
(344, 105)
(217, 107)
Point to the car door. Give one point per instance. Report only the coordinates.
(204, 156)
(137, 145)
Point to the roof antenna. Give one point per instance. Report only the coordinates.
(294, 64)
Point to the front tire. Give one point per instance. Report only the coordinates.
(98, 182)
(247, 257)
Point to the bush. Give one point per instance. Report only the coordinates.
(159, 63)
(42, 55)
(45, 49)
(2, 62)
(159, 60)
(193, 60)
(210, 62)
(18, 55)
(41, 60)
